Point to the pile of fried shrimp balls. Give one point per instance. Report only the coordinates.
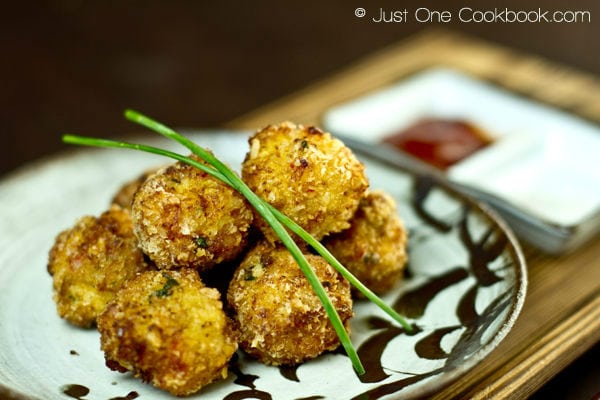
(149, 271)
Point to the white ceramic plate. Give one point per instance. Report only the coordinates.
(465, 288)
(542, 160)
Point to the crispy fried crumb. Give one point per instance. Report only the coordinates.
(280, 318)
(184, 217)
(90, 262)
(307, 174)
(170, 330)
(374, 247)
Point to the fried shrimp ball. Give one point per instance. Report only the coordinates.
(308, 175)
(124, 195)
(184, 217)
(280, 318)
(374, 247)
(170, 330)
(90, 262)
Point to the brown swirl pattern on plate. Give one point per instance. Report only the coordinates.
(487, 283)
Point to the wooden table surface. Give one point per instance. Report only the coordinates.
(561, 316)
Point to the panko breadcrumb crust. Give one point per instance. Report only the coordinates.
(374, 247)
(165, 325)
(90, 262)
(280, 318)
(184, 217)
(307, 174)
(170, 330)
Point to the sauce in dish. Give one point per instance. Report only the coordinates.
(440, 142)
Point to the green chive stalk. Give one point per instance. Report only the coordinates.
(272, 216)
(235, 181)
(265, 212)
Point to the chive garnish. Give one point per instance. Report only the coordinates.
(272, 216)
(201, 242)
(170, 282)
(249, 276)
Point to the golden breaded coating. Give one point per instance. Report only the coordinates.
(124, 196)
(183, 217)
(90, 262)
(374, 247)
(280, 318)
(308, 175)
(170, 330)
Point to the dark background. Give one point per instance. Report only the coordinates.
(73, 65)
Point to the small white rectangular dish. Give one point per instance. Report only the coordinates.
(541, 159)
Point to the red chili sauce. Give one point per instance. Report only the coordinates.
(440, 142)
